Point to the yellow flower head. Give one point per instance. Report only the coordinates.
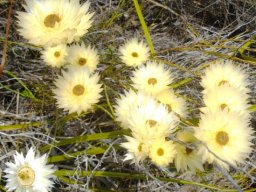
(137, 149)
(224, 72)
(76, 90)
(174, 103)
(152, 120)
(162, 152)
(55, 56)
(134, 53)
(49, 22)
(226, 134)
(187, 158)
(225, 98)
(151, 78)
(84, 57)
(126, 105)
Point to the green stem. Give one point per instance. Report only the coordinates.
(144, 26)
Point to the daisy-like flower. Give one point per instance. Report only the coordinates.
(186, 157)
(225, 98)
(224, 72)
(137, 149)
(77, 90)
(227, 135)
(152, 120)
(174, 103)
(85, 57)
(134, 53)
(151, 78)
(29, 173)
(55, 56)
(162, 152)
(47, 22)
(126, 104)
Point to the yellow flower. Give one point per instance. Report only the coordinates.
(77, 90)
(151, 120)
(151, 78)
(137, 149)
(174, 103)
(162, 152)
(49, 22)
(227, 135)
(187, 158)
(225, 98)
(134, 53)
(84, 57)
(55, 56)
(224, 72)
(126, 104)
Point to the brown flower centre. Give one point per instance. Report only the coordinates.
(160, 152)
(57, 54)
(78, 90)
(82, 61)
(151, 122)
(188, 150)
(26, 176)
(222, 138)
(140, 147)
(223, 106)
(51, 20)
(223, 82)
(152, 81)
(135, 54)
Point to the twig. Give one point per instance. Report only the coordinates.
(6, 38)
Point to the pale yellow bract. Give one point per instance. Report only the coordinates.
(224, 72)
(55, 56)
(162, 152)
(174, 103)
(187, 158)
(225, 98)
(151, 78)
(84, 57)
(137, 149)
(49, 23)
(227, 135)
(134, 53)
(77, 90)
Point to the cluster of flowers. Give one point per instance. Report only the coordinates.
(56, 26)
(224, 126)
(152, 113)
(150, 109)
(59, 25)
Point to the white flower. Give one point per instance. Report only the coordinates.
(29, 174)
(137, 149)
(49, 22)
(226, 134)
(162, 152)
(187, 158)
(225, 98)
(77, 90)
(151, 120)
(55, 56)
(126, 104)
(134, 53)
(174, 103)
(85, 57)
(224, 72)
(151, 78)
